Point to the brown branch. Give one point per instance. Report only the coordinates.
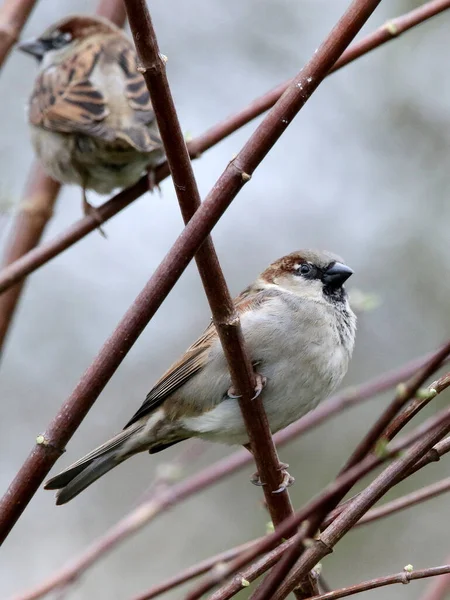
(361, 504)
(265, 563)
(438, 590)
(404, 394)
(214, 562)
(169, 497)
(13, 16)
(28, 227)
(404, 577)
(73, 411)
(38, 257)
(406, 501)
(225, 317)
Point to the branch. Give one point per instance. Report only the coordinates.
(438, 590)
(405, 393)
(169, 497)
(257, 569)
(406, 501)
(52, 443)
(212, 136)
(13, 16)
(214, 562)
(225, 316)
(404, 577)
(351, 515)
(34, 212)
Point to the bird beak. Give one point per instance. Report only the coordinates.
(35, 47)
(336, 275)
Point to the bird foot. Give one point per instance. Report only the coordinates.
(287, 480)
(260, 383)
(152, 184)
(91, 211)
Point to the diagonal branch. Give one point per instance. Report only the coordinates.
(34, 213)
(52, 443)
(361, 504)
(13, 16)
(403, 577)
(38, 257)
(170, 496)
(225, 317)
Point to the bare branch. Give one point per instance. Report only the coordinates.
(425, 493)
(28, 227)
(36, 258)
(361, 504)
(438, 590)
(226, 319)
(404, 577)
(168, 497)
(214, 562)
(13, 16)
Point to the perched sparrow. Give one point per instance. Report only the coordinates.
(90, 114)
(299, 330)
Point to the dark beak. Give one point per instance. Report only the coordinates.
(35, 47)
(336, 275)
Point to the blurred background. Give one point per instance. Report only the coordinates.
(363, 172)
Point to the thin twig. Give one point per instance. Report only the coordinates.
(438, 590)
(52, 443)
(404, 577)
(257, 569)
(406, 501)
(38, 257)
(13, 16)
(214, 562)
(405, 393)
(361, 504)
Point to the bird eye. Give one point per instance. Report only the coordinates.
(59, 39)
(305, 269)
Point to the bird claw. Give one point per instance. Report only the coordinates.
(259, 386)
(256, 480)
(287, 480)
(152, 183)
(91, 211)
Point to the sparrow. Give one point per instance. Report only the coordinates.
(299, 331)
(90, 115)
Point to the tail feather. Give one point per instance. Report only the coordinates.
(91, 467)
(88, 474)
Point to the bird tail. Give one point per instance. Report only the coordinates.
(91, 467)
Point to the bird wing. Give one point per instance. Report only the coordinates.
(194, 358)
(65, 98)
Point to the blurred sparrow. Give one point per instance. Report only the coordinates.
(90, 115)
(299, 330)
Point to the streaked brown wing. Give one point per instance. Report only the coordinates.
(135, 87)
(189, 364)
(194, 358)
(65, 100)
